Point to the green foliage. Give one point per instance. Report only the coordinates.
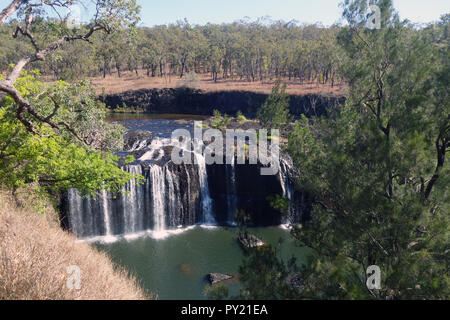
(220, 121)
(217, 292)
(274, 113)
(240, 117)
(126, 109)
(381, 196)
(279, 203)
(264, 276)
(57, 160)
(75, 59)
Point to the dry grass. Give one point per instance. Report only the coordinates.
(129, 81)
(34, 255)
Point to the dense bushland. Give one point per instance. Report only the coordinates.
(377, 170)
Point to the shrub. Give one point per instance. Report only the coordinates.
(220, 121)
(240, 117)
(274, 113)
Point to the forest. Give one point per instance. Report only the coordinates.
(247, 50)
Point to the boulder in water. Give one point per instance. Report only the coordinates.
(249, 241)
(133, 139)
(215, 278)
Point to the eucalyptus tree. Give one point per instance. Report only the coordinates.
(48, 130)
(149, 56)
(253, 51)
(109, 15)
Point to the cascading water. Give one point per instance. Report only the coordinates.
(75, 212)
(173, 188)
(171, 196)
(106, 213)
(231, 190)
(208, 217)
(287, 189)
(168, 198)
(133, 202)
(158, 192)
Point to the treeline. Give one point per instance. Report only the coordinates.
(248, 51)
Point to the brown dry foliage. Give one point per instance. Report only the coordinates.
(34, 255)
(112, 84)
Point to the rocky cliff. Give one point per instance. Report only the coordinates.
(192, 101)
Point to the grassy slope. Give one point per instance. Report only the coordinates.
(34, 255)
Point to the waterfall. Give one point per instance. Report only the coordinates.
(173, 196)
(75, 212)
(133, 202)
(208, 217)
(88, 217)
(174, 205)
(158, 196)
(139, 145)
(106, 213)
(287, 189)
(231, 190)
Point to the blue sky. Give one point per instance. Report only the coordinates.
(156, 12)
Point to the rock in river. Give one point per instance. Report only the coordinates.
(248, 241)
(137, 139)
(215, 278)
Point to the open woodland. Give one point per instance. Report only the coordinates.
(245, 55)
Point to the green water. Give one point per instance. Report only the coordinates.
(175, 268)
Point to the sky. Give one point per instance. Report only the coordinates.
(157, 12)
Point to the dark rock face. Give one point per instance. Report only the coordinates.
(248, 190)
(192, 101)
(215, 278)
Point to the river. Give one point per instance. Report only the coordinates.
(175, 268)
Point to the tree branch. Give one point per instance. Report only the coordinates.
(10, 9)
(442, 144)
(7, 86)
